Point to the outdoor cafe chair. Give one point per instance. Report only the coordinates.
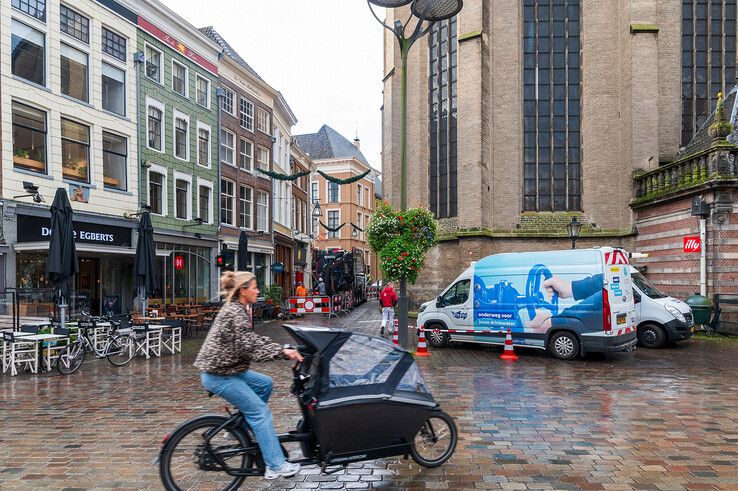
(148, 340)
(17, 352)
(54, 348)
(171, 335)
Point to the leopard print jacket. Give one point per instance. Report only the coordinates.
(231, 344)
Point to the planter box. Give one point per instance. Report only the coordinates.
(31, 164)
(111, 181)
(74, 174)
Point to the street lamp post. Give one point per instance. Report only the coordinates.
(573, 229)
(430, 11)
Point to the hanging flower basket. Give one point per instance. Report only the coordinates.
(401, 239)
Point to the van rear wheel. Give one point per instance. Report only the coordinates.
(436, 338)
(651, 336)
(564, 345)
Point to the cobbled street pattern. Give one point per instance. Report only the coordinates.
(654, 419)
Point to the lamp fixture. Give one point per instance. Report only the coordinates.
(144, 208)
(196, 221)
(573, 229)
(436, 10)
(317, 212)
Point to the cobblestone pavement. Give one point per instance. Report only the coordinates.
(665, 419)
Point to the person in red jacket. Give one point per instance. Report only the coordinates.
(387, 300)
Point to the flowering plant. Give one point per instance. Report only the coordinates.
(401, 239)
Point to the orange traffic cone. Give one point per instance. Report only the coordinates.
(509, 352)
(395, 336)
(422, 348)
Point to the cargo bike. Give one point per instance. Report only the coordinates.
(361, 398)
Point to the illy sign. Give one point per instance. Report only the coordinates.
(692, 243)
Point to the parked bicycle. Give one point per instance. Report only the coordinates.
(119, 348)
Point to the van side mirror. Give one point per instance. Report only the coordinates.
(636, 297)
(439, 302)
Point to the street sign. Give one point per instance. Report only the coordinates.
(178, 263)
(692, 243)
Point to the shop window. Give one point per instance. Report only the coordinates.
(202, 88)
(75, 150)
(153, 63)
(227, 146)
(180, 138)
(34, 8)
(332, 192)
(74, 24)
(74, 73)
(262, 210)
(227, 103)
(262, 157)
(247, 114)
(179, 78)
(204, 204)
(113, 44)
(333, 222)
(113, 89)
(154, 128)
(181, 197)
(245, 154)
(227, 198)
(203, 147)
(246, 206)
(115, 154)
(28, 53)
(29, 138)
(157, 184)
(263, 122)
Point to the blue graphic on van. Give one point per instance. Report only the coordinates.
(559, 290)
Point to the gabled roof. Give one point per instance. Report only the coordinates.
(702, 140)
(327, 143)
(228, 50)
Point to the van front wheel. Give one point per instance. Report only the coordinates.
(564, 345)
(435, 338)
(651, 336)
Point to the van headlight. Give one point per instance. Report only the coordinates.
(676, 313)
(422, 307)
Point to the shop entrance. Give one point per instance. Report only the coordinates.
(87, 284)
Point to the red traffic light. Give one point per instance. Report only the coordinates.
(219, 261)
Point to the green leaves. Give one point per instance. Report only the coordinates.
(401, 239)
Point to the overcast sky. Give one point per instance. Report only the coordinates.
(325, 56)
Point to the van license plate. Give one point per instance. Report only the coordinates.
(622, 318)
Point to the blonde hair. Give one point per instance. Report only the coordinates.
(231, 282)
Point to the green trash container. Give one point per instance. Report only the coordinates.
(701, 308)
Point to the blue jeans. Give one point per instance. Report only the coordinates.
(249, 391)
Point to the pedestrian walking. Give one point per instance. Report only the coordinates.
(387, 300)
(224, 359)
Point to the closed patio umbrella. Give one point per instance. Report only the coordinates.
(243, 251)
(145, 272)
(62, 263)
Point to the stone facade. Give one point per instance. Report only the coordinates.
(630, 122)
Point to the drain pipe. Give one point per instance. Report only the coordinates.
(139, 59)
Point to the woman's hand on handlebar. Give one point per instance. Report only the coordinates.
(292, 354)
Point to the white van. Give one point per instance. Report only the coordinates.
(570, 302)
(660, 318)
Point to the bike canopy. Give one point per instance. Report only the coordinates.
(349, 367)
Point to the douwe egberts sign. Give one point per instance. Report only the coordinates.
(38, 229)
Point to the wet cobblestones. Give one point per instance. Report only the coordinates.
(656, 420)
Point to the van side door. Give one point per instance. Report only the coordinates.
(456, 303)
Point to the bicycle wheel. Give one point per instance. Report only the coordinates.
(119, 350)
(436, 441)
(184, 464)
(71, 358)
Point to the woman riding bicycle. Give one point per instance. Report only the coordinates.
(224, 361)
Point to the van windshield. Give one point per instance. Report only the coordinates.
(646, 287)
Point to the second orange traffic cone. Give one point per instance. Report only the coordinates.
(422, 348)
(509, 352)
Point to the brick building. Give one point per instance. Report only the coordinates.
(303, 236)
(245, 193)
(524, 114)
(349, 205)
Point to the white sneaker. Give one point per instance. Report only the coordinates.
(287, 469)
